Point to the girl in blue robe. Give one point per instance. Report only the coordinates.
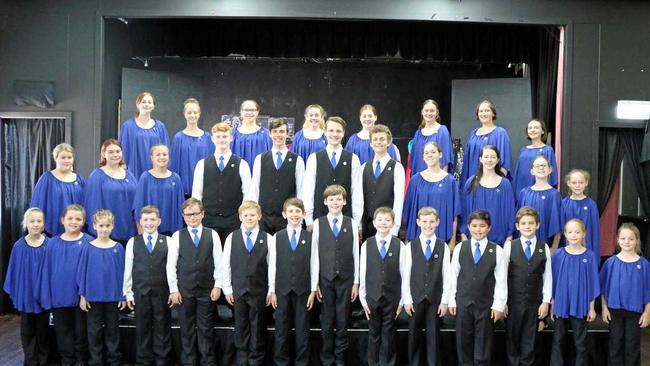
(112, 187)
(521, 178)
(431, 130)
(579, 206)
(102, 262)
(250, 139)
(625, 285)
(21, 284)
(58, 188)
(490, 191)
(435, 188)
(311, 138)
(139, 134)
(359, 143)
(488, 134)
(58, 288)
(546, 200)
(162, 188)
(575, 289)
(189, 146)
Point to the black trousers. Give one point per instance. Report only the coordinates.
(250, 329)
(474, 335)
(272, 223)
(152, 328)
(33, 337)
(425, 317)
(367, 227)
(382, 331)
(335, 313)
(71, 335)
(521, 334)
(196, 317)
(579, 327)
(292, 308)
(624, 338)
(103, 333)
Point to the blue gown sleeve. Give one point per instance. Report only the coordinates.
(447, 148)
(511, 209)
(140, 199)
(549, 154)
(43, 292)
(594, 282)
(505, 148)
(82, 268)
(164, 135)
(555, 224)
(126, 140)
(646, 282)
(93, 197)
(175, 154)
(466, 206)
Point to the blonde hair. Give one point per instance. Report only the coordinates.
(192, 202)
(384, 211)
(61, 148)
(250, 205)
(103, 215)
(337, 119)
(426, 211)
(582, 227)
(637, 234)
(221, 127)
(584, 173)
(191, 101)
(430, 101)
(154, 147)
(370, 108)
(334, 190)
(139, 98)
(381, 129)
(323, 115)
(30, 211)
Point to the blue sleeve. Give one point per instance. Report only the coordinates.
(554, 223)
(43, 293)
(466, 199)
(550, 156)
(10, 284)
(140, 199)
(164, 135)
(646, 281)
(175, 155)
(82, 268)
(457, 200)
(447, 148)
(505, 149)
(125, 141)
(93, 196)
(511, 209)
(594, 281)
(409, 202)
(39, 194)
(594, 227)
(605, 276)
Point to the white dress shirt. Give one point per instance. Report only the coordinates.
(127, 288)
(355, 243)
(313, 259)
(254, 192)
(407, 296)
(547, 278)
(244, 174)
(364, 258)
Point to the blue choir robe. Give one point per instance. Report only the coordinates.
(52, 196)
(304, 146)
(498, 201)
(248, 145)
(575, 283)
(115, 195)
(164, 193)
(442, 138)
(361, 147)
(498, 137)
(548, 204)
(21, 280)
(103, 266)
(58, 274)
(137, 142)
(186, 151)
(521, 178)
(442, 195)
(626, 285)
(586, 211)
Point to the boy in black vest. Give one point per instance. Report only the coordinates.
(220, 182)
(477, 291)
(145, 289)
(336, 238)
(424, 299)
(247, 284)
(193, 274)
(382, 181)
(529, 288)
(277, 175)
(328, 167)
(382, 269)
(296, 281)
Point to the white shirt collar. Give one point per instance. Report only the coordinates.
(198, 228)
(154, 236)
(284, 151)
(533, 242)
(254, 232)
(226, 156)
(483, 242)
(337, 151)
(423, 240)
(331, 217)
(382, 161)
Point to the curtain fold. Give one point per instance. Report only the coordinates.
(543, 75)
(610, 156)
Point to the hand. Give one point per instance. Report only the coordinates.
(409, 309)
(399, 310)
(319, 294)
(175, 298)
(84, 305)
(130, 304)
(121, 305)
(354, 292)
(607, 316)
(268, 300)
(366, 310)
(542, 311)
(496, 315)
(644, 320)
(442, 310)
(230, 299)
(452, 310)
(215, 294)
(506, 311)
(591, 315)
(274, 300)
(310, 300)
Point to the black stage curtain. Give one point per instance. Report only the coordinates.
(610, 156)
(543, 75)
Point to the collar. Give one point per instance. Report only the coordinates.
(382, 161)
(483, 242)
(226, 156)
(331, 217)
(423, 239)
(284, 151)
(338, 151)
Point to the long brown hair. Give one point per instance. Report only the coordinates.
(102, 150)
(479, 171)
(139, 98)
(430, 101)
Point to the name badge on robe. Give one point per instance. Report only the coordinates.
(498, 190)
(584, 260)
(485, 138)
(76, 183)
(543, 197)
(585, 208)
(115, 251)
(126, 180)
(79, 242)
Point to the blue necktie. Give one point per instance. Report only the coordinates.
(382, 251)
(528, 252)
(427, 251)
(249, 241)
(477, 253)
(195, 237)
(149, 244)
(377, 170)
(333, 160)
(278, 161)
(221, 164)
(335, 229)
(294, 241)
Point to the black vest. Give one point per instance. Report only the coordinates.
(383, 277)
(222, 193)
(426, 276)
(475, 285)
(276, 185)
(335, 253)
(326, 176)
(195, 266)
(292, 268)
(149, 269)
(378, 192)
(249, 270)
(526, 279)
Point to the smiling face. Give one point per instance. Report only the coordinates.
(73, 222)
(383, 222)
(113, 155)
(541, 169)
(479, 229)
(314, 117)
(431, 155)
(428, 224)
(249, 111)
(489, 159)
(249, 218)
(577, 184)
(146, 105)
(527, 226)
(160, 156)
(64, 161)
(628, 241)
(334, 132)
(103, 227)
(150, 222)
(429, 113)
(574, 233)
(335, 204)
(279, 136)
(192, 113)
(293, 215)
(193, 215)
(367, 118)
(221, 141)
(485, 113)
(35, 223)
(534, 130)
(379, 142)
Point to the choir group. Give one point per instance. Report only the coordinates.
(235, 210)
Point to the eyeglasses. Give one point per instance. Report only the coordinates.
(249, 110)
(192, 214)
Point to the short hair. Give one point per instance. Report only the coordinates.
(154, 147)
(61, 148)
(493, 108)
(30, 211)
(192, 202)
(150, 209)
(527, 211)
(74, 207)
(139, 98)
(370, 108)
(221, 127)
(191, 101)
(250, 205)
(335, 190)
(544, 129)
(637, 234)
(384, 211)
(277, 123)
(104, 215)
(293, 201)
(381, 129)
(323, 115)
(480, 215)
(102, 150)
(337, 119)
(426, 211)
